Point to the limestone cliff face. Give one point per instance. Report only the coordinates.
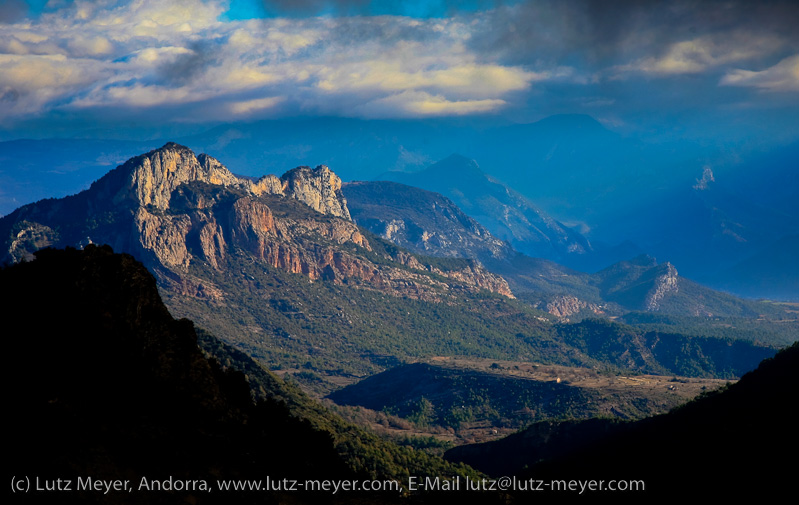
(163, 236)
(665, 283)
(312, 247)
(151, 178)
(173, 209)
(476, 274)
(318, 188)
(568, 305)
(267, 185)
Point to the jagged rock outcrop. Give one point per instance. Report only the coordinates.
(150, 180)
(318, 188)
(163, 236)
(267, 185)
(475, 274)
(568, 305)
(27, 238)
(665, 283)
(643, 284)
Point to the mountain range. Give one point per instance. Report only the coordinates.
(276, 266)
(506, 213)
(430, 223)
(711, 211)
(339, 288)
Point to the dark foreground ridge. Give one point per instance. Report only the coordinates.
(738, 442)
(105, 384)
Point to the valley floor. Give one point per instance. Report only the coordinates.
(612, 395)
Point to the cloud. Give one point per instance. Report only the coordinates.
(188, 64)
(249, 107)
(420, 103)
(161, 55)
(167, 59)
(12, 10)
(700, 54)
(461, 79)
(655, 37)
(784, 76)
(30, 82)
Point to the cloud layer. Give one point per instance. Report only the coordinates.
(185, 61)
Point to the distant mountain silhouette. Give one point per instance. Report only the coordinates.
(506, 213)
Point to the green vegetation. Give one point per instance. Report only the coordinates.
(363, 452)
(288, 321)
(730, 441)
(430, 397)
(663, 353)
(427, 395)
(762, 331)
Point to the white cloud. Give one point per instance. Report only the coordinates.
(30, 82)
(97, 46)
(784, 76)
(150, 54)
(700, 54)
(462, 79)
(155, 54)
(248, 107)
(420, 103)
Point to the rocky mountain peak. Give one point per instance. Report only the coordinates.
(505, 213)
(319, 188)
(422, 221)
(150, 179)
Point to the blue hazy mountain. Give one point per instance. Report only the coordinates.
(720, 218)
(507, 214)
(429, 223)
(360, 149)
(771, 272)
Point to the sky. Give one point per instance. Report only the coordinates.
(129, 69)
